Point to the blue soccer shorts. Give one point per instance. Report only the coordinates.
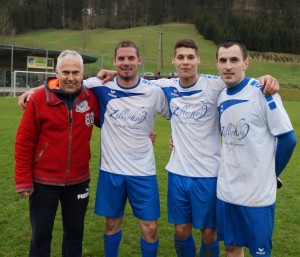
(251, 227)
(192, 200)
(113, 191)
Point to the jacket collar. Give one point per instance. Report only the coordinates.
(52, 89)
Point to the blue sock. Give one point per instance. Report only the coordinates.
(210, 250)
(111, 244)
(186, 247)
(148, 249)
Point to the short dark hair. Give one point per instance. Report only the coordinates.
(127, 43)
(230, 42)
(188, 43)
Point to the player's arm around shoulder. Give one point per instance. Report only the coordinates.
(95, 106)
(163, 103)
(92, 82)
(24, 98)
(270, 84)
(107, 75)
(164, 82)
(213, 84)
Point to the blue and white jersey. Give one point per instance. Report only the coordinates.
(195, 126)
(127, 117)
(249, 124)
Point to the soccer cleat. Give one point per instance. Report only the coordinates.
(279, 183)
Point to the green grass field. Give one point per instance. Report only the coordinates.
(14, 220)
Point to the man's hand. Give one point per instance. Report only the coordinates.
(153, 136)
(171, 145)
(106, 75)
(24, 98)
(25, 194)
(270, 84)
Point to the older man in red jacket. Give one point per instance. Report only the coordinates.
(52, 152)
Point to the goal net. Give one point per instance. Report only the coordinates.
(24, 80)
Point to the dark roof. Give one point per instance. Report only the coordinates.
(21, 52)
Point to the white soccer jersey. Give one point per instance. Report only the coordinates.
(127, 117)
(249, 123)
(195, 126)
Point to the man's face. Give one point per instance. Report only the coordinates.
(127, 62)
(70, 75)
(186, 62)
(231, 65)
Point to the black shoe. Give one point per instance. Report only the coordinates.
(279, 183)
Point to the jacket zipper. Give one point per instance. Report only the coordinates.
(70, 143)
(41, 152)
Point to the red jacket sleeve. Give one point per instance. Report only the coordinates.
(25, 144)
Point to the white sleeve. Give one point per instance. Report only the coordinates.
(277, 117)
(164, 107)
(92, 82)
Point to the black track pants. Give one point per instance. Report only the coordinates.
(43, 206)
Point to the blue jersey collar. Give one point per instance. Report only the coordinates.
(237, 88)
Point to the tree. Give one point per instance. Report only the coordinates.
(5, 25)
(184, 10)
(157, 11)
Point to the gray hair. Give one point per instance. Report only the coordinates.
(69, 54)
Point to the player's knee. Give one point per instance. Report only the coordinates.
(234, 251)
(112, 226)
(152, 228)
(183, 231)
(209, 235)
(149, 230)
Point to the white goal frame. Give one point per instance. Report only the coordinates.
(23, 80)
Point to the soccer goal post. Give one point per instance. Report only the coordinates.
(24, 80)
